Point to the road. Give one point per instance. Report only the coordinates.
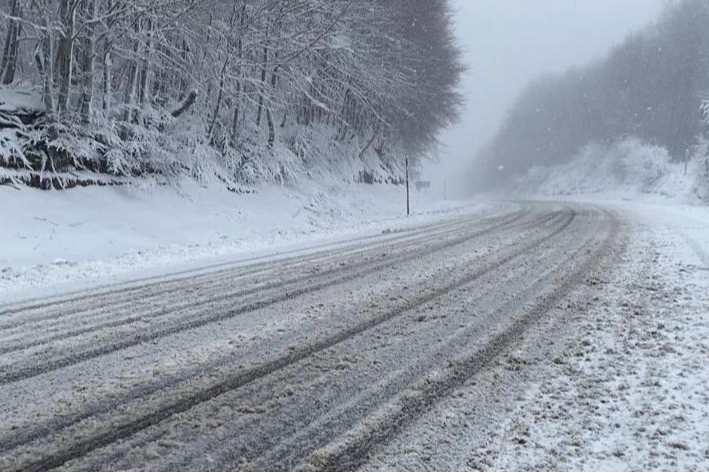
(300, 362)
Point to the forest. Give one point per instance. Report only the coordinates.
(246, 91)
(651, 87)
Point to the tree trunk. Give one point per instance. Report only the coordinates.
(222, 78)
(9, 57)
(269, 112)
(107, 63)
(47, 47)
(132, 84)
(65, 53)
(146, 69)
(130, 91)
(8, 42)
(186, 104)
(235, 118)
(261, 91)
(369, 143)
(217, 109)
(237, 98)
(271, 128)
(87, 93)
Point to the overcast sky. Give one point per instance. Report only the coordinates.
(507, 43)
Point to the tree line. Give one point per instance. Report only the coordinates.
(253, 87)
(651, 86)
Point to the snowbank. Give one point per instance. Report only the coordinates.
(92, 235)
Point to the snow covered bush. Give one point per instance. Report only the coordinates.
(625, 165)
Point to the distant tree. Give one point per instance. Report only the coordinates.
(648, 86)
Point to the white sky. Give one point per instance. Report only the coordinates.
(507, 43)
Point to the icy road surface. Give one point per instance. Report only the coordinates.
(405, 350)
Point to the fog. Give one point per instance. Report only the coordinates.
(508, 43)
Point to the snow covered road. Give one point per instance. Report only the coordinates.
(323, 361)
(630, 389)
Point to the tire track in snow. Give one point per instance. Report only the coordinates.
(161, 385)
(315, 434)
(217, 286)
(151, 284)
(284, 292)
(120, 431)
(349, 452)
(36, 311)
(106, 316)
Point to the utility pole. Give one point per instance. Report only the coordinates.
(408, 208)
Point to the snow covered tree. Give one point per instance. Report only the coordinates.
(649, 86)
(248, 89)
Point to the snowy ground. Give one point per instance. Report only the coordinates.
(629, 385)
(624, 384)
(614, 376)
(632, 391)
(307, 361)
(58, 241)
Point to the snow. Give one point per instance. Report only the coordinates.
(623, 385)
(630, 393)
(629, 389)
(614, 378)
(18, 99)
(56, 241)
(627, 168)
